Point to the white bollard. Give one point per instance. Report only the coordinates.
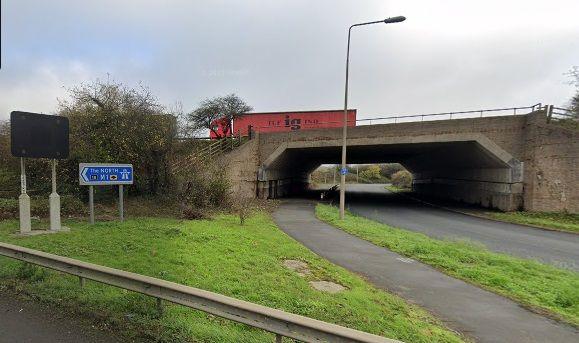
(24, 204)
(54, 202)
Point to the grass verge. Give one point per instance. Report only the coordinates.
(549, 220)
(395, 189)
(541, 287)
(218, 255)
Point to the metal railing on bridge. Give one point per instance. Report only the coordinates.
(495, 112)
(396, 119)
(209, 151)
(280, 323)
(559, 113)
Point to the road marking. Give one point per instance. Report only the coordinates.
(404, 259)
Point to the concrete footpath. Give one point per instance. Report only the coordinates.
(28, 321)
(477, 313)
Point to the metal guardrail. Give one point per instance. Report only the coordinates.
(522, 110)
(281, 323)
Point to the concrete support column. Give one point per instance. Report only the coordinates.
(54, 202)
(24, 207)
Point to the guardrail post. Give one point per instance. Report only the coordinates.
(160, 308)
(81, 281)
(278, 338)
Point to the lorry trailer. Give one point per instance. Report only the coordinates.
(265, 122)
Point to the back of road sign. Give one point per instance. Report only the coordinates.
(35, 135)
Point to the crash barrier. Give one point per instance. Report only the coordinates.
(281, 323)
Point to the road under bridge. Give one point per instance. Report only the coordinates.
(509, 162)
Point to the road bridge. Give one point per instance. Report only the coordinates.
(511, 161)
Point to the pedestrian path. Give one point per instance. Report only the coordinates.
(477, 313)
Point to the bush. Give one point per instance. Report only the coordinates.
(191, 213)
(205, 186)
(72, 206)
(39, 207)
(243, 206)
(109, 122)
(371, 173)
(402, 179)
(8, 208)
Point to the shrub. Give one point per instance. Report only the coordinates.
(192, 213)
(402, 179)
(39, 207)
(72, 206)
(205, 186)
(8, 208)
(243, 207)
(371, 173)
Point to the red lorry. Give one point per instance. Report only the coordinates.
(282, 121)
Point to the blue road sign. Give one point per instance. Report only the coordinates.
(105, 174)
(344, 171)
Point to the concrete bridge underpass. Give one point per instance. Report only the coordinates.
(508, 162)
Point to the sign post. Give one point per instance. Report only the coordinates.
(24, 201)
(105, 174)
(121, 206)
(91, 203)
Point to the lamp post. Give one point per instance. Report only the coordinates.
(345, 128)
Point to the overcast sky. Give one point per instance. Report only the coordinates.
(290, 55)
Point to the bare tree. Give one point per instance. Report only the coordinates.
(574, 102)
(218, 111)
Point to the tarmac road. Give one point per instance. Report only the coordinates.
(375, 202)
(26, 321)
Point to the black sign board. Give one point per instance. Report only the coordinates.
(36, 135)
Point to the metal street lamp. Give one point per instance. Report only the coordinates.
(345, 128)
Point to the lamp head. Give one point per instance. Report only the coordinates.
(397, 19)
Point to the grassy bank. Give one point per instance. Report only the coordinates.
(548, 220)
(219, 255)
(539, 286)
